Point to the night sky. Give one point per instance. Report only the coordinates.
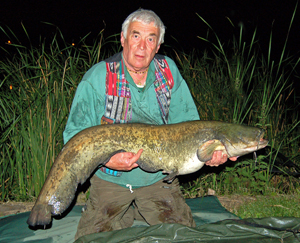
(77, 18)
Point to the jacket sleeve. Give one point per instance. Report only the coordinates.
(182, 106)
(88, 105)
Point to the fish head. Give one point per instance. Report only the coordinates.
(240, 139)
(232, 139)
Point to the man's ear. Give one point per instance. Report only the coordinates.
(157, 48)
(122, 39)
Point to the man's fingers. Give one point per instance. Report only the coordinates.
(139, 153)
(217, 159)
(135, 158)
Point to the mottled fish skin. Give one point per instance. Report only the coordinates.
(176, 149)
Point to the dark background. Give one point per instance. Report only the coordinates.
(77, 18)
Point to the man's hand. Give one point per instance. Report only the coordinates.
(125, 161)
(219, 158)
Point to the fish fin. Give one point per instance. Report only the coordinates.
(111, 155)
(146, 166)
(40, 215)
(206, 150)
(169, 178)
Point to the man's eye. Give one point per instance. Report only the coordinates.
(135, 36)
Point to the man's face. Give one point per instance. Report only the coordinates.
(140, 45)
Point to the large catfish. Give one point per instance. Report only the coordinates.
(176, 149)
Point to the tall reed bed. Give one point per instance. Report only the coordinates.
(235, 82)
(37, 88)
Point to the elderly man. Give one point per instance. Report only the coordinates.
(134, 86)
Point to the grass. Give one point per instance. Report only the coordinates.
(270, 206)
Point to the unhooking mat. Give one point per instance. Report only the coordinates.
(214, 224)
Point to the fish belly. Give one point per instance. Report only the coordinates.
(191, 165)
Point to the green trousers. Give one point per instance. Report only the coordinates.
(112, 207)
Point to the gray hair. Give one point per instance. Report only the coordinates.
(146, 17)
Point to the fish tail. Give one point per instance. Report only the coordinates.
(40, 215)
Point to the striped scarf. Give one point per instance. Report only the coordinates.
(118, 108)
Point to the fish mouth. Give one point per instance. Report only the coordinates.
(262, 143)
(258, 145)
(247, 146)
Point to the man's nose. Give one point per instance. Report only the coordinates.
(142, 44)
